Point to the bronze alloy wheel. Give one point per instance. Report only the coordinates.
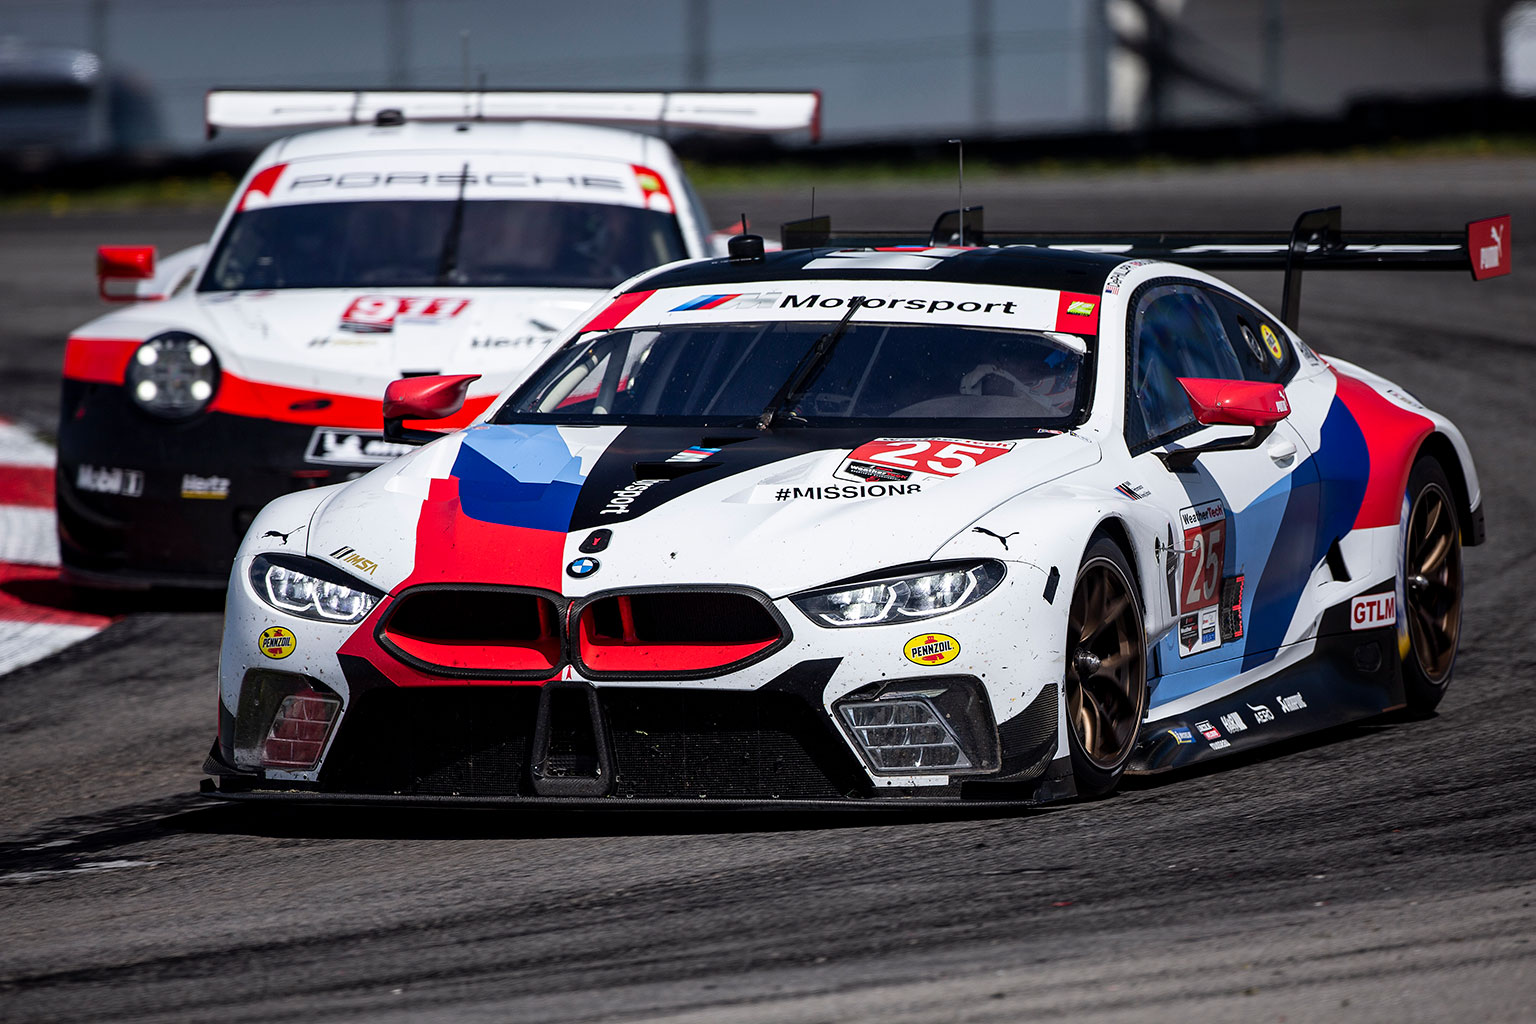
(1106, 678)
(1432, 564)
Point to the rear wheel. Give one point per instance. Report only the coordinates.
(1431, 586)
(1106, 671)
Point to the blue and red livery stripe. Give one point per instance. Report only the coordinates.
(705, 302)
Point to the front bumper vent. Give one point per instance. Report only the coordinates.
(905, 735)
(475, 632)
(675, 634)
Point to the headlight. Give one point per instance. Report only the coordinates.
(902, 599)
(321, 593)
(173, 374)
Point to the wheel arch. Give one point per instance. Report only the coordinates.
(1440, 448)
(1114, 528)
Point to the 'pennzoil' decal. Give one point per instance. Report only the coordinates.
(276, 642)
(932, 649)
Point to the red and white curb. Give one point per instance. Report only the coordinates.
(34, 618)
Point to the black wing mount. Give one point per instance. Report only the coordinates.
(1316, 242)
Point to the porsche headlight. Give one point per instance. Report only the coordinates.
(904, 598)
(319, 594)
(174, 374)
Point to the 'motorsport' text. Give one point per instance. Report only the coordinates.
(618, 505)
(916, 305)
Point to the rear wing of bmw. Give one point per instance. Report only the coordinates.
(763, 112)
(1316, 242)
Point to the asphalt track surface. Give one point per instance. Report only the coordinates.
(1384, 872)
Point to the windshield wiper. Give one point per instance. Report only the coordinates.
(449, 261)
(808, 365)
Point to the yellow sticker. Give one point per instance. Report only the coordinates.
(276, 642)
(1272, 343)
(932, 649)
(1080, 308)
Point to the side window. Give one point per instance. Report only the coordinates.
(1177, 333)
(1261, 345)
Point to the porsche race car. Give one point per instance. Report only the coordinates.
(869, 524)
(427, 232)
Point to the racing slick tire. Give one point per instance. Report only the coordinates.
(1106, 669)
(1432, 586)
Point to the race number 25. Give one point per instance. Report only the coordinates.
(939, 456)
(1205, 548)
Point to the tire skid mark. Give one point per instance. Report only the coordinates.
(65, 846)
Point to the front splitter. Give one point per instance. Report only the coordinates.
(1049, 791)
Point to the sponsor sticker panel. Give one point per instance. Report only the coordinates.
(337, 446)
(907, 458)
(929, 649)
(1372, 610)
(378, 314)
(125, 483)
(883, 302)
(276, 642)
(1200, 576)
(204, 488)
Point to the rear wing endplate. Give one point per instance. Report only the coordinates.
(1316, 242)
(764, 112)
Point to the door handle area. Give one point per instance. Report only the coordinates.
(1281, 450)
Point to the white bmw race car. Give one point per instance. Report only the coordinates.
(433, 232)
(872, 525)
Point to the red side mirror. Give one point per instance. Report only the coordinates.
(1240, 403)
(124, 263)
(423, 398)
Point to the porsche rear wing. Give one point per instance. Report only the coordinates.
(1316, 242)
(761, 112)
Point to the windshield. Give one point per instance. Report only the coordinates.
(402, 244)
(732, 374)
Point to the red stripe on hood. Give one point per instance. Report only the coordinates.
(453, 548)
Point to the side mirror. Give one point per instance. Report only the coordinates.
(422, 398)
(1239, 403)
(1236, 402)
(124, 263)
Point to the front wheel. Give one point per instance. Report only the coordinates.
(1431, 586)
(1106, 670)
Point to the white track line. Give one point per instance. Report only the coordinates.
(29, 558)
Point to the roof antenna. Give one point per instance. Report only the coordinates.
(961, 144)
(745, 247)
(813, 200)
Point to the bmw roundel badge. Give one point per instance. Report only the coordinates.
(581, 567)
